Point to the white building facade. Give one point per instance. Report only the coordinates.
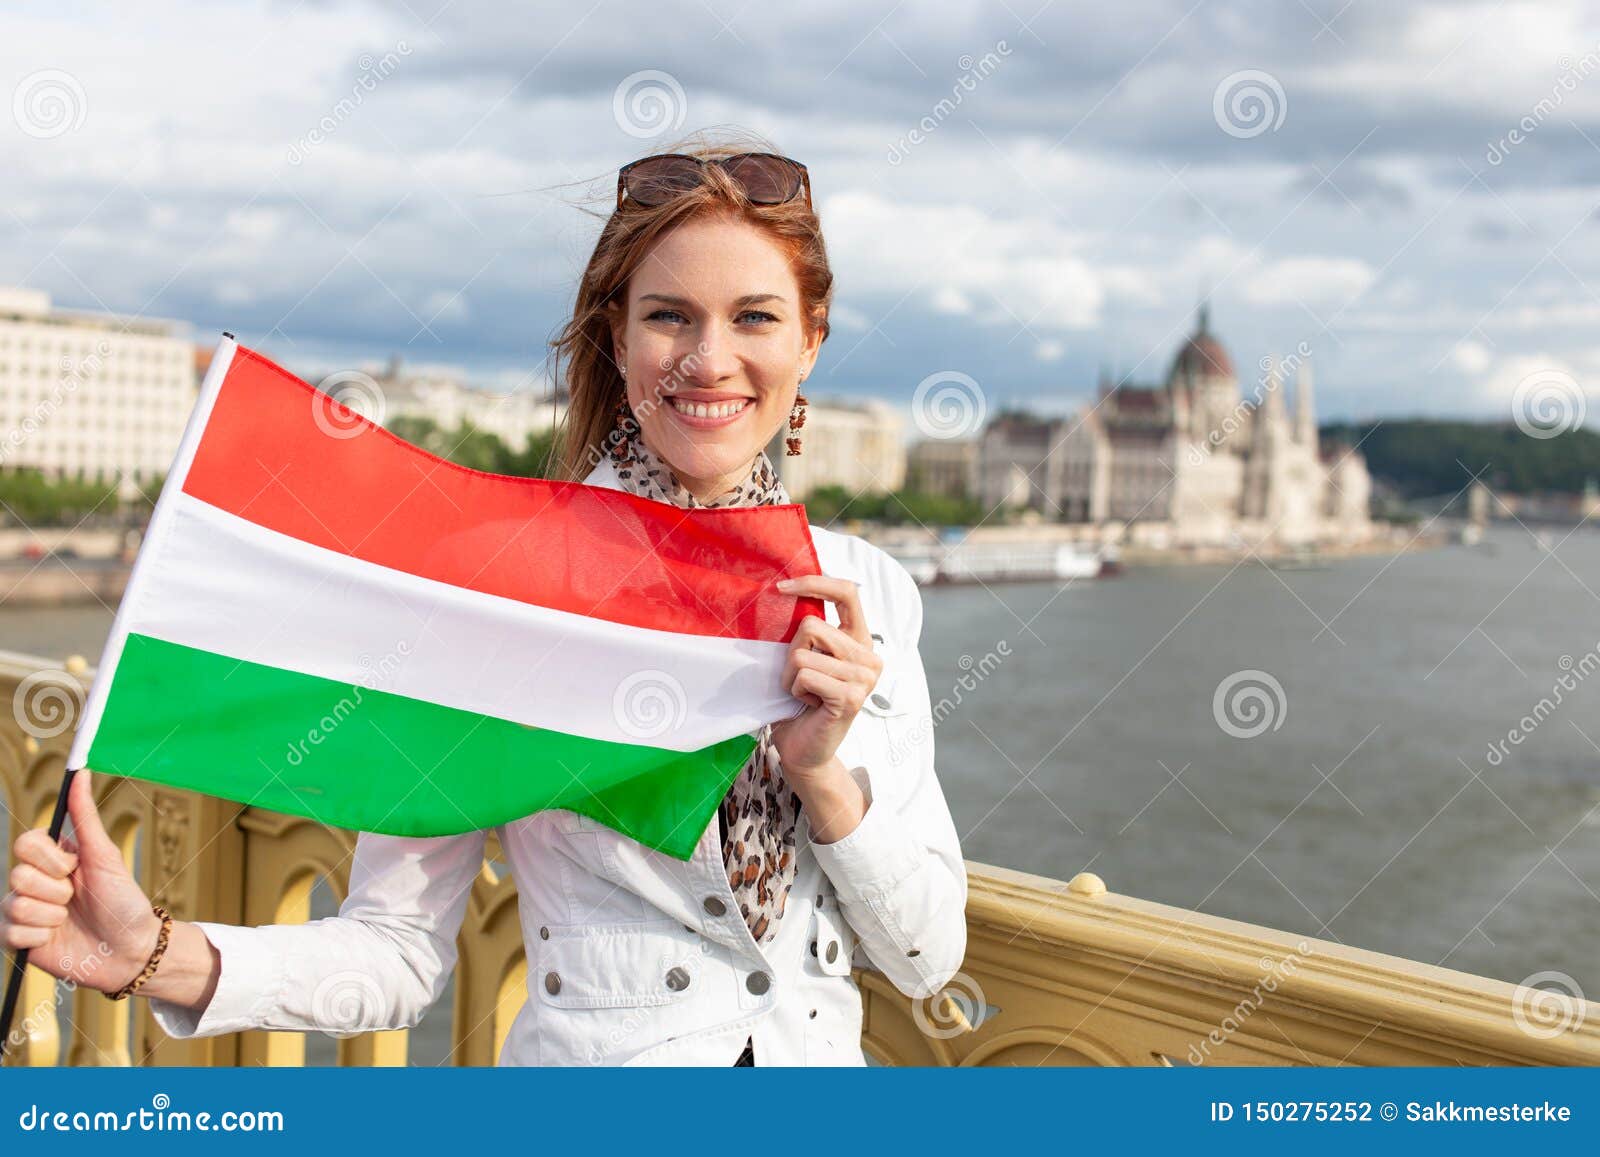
(447, 402)
(859, 445)
(91, 395)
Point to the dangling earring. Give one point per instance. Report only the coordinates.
(797, 418)
(624, 427)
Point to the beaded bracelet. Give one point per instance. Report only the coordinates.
(155, 957)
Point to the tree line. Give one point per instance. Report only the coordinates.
(1425, 456)
(31, 498)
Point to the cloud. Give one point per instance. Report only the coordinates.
(963, 261)
(1312, 281)
(1068, 213)
(1471, 357)
(1542, 388)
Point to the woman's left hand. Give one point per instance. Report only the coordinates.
(831, 670)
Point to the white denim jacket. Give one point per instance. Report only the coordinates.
(605, 919)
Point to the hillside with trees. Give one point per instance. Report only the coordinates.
(1423, 456)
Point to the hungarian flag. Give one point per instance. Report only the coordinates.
(327, 621)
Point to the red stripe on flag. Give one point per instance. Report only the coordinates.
(282, 454)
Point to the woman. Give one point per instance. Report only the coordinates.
(703, 307)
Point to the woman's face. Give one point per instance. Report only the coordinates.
(714, 344)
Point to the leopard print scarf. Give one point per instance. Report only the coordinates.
(760, 813)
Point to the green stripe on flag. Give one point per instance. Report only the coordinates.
(368, 760)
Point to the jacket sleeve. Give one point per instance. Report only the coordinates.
(900, 876)
(379, 964)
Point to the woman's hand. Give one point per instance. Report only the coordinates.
(831, 670)
(75, 906)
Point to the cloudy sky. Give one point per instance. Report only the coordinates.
(1016, 191)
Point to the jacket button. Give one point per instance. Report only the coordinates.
(713, 906)
(544, 933)
(881, 702)
(552, 982)
(913, 952)
(812, 1014)
(757, 982)
(833, 951)
(677, 979)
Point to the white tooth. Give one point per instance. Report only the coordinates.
(712, 410)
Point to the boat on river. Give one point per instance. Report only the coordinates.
(984, 562)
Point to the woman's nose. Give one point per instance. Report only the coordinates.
(714, 359)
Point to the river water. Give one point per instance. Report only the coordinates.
(1378, 769)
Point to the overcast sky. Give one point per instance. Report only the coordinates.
(1333, 172)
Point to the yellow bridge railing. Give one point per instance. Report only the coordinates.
(1056, 973)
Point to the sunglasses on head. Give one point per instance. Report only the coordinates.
(765, 178)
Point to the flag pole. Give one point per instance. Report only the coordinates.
(89, 720)
(19, 958)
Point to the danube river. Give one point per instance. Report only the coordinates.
(1402, 756)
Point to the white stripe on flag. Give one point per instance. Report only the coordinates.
(223, 584)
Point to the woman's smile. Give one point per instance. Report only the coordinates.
(707, 411)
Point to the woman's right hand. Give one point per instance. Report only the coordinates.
(75, 906)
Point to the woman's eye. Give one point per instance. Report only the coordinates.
(760, 315)
(664, 313)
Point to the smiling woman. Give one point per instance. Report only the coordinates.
(712, 305)
(704, 306)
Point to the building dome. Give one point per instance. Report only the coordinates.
(1202, 356)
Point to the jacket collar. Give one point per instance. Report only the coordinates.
(605, 474)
